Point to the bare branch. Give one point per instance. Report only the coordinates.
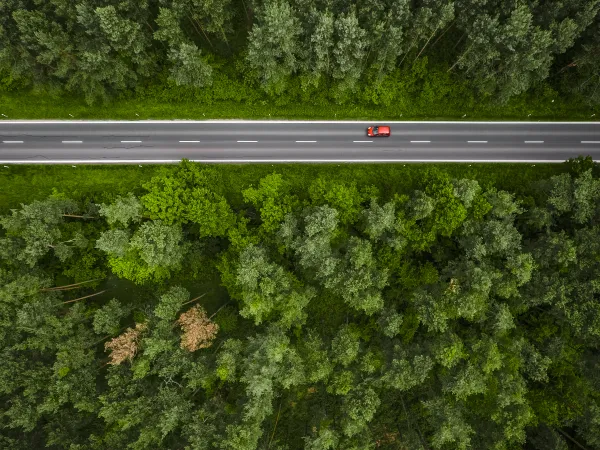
(194, 299)
(215, 313)
(57, 288)
(571, 439)
(425, 46)
(275, 427)
(79, 217)
(87, 296)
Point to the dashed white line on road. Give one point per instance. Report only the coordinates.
(248, 141)
(306, 141)
(477, 142)
(12, 142)
(420, 142)
(534, 142)
(72, 142)
(189, 142)
(362, 141)
(229, 121)
(590, 142)
(234, 160)
(130, 142)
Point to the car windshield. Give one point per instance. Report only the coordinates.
(375, 130)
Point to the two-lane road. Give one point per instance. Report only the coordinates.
(233, 141)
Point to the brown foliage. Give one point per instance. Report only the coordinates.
(124, 347)
(198, 331)
(388, 438)
(453, 287)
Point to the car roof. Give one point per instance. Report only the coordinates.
(384, 129)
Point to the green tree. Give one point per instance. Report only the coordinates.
(169, 26)
(318, 363)
(89, 49)
(205, 18)
(345, 198)
(228, 360)
(353, 274)
(326, 440)
(114, 242)
(211, 212)
(272, 199)
(349, 52)
(403, 374)
(345, 345)
(386, 27)
(447, 419)
(189, 68)
(319, 39)
(39, 227)
(420, 206)
(525, 38)
(265, 288)
(123, 210)
(390, 322)
(582, 76)
(159, 244)
(171, 302)
(153, 251)
(466, 190)
(108, 318)
(359, 408)
(123, 34)
(379, 220)
(190, 193)
(269, 362)
(273, 45)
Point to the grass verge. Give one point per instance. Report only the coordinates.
(23, 184)
(39, 106)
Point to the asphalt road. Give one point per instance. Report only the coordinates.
(79, 142)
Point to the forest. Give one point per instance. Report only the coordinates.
(300, 307)
(442, 57)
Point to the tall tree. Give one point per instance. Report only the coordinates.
(266, 288)
(39, 228)
(582, 75)
(510, 48)
(188, 66)
(349, 52)
(123, 210)
(273, 45)
(317, 62)
(190, 194)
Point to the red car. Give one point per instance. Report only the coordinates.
(378, 131)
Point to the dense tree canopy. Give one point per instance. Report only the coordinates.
(454, 315)
(99, 49)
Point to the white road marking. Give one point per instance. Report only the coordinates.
(419, 142)
(12, 142)
(591, 122)
(170, 161)
(72, 142)
(306, 141)
(247, 141)
(590, 142)
(362, 141)
(534, 142)
(130, 142)
(477, 142)
(190, 142)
